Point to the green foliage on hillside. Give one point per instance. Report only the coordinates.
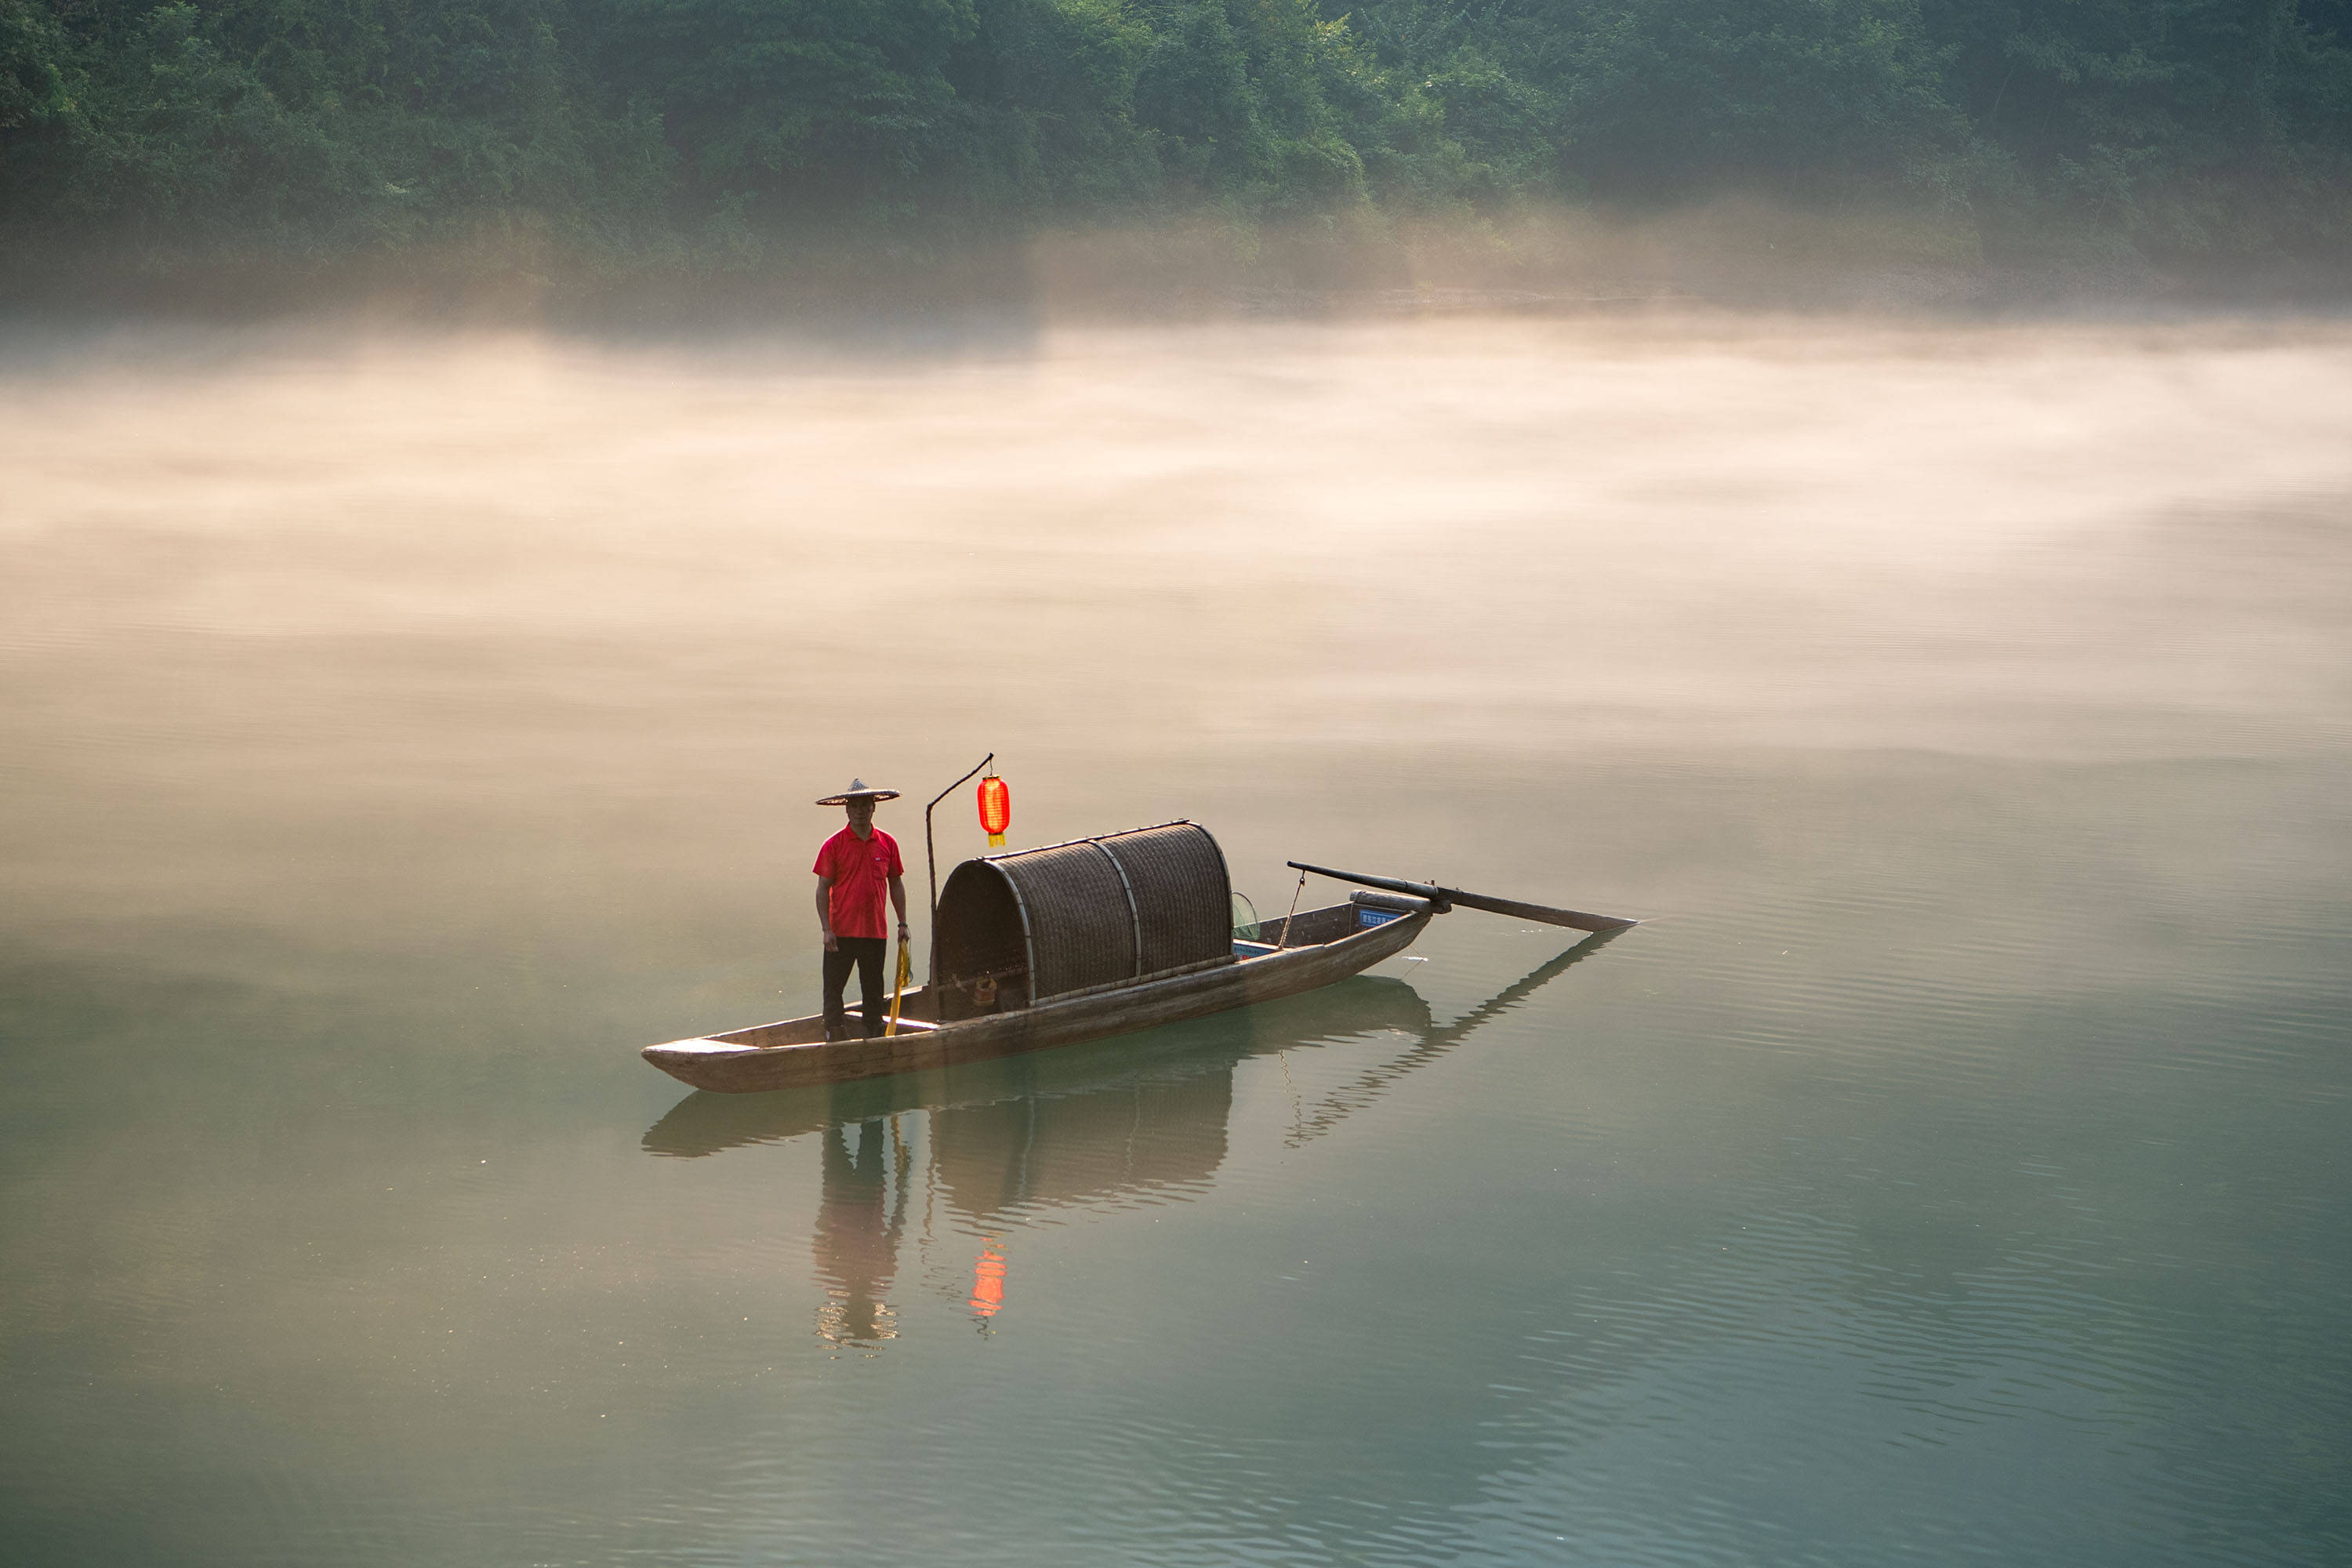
(710, 134)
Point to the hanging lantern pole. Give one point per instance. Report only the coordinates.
(932, 869)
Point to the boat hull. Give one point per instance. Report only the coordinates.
(741, 1064)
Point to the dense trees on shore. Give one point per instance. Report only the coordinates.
(710, 133)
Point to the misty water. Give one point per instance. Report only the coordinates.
(404, 730)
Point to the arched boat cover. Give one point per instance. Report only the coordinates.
(1112, 910)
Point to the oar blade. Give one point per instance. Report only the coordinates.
(1575, 920)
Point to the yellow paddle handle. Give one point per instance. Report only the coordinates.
(898, 992)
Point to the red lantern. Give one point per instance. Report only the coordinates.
(995, 810)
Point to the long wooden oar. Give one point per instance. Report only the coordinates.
(1446, 898)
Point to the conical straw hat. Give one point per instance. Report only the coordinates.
(857, 791)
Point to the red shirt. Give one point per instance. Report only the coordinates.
(861, 870)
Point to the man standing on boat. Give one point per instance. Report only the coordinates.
(854, 869)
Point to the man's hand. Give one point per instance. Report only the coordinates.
(831, 943)
(902, 930)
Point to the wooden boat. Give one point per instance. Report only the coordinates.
(1182, 1071)
(1082, 941)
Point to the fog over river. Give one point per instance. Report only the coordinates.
(402, 730)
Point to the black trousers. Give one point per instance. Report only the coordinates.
(866, 953)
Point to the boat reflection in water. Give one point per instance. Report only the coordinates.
(1140, 1119)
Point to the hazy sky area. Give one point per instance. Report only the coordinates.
(1529, 537)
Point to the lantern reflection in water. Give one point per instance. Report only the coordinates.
(988, 1280)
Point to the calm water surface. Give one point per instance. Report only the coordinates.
(401, 732)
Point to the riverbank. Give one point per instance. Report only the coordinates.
(1736, 252)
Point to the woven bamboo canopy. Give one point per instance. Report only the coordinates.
(1095, 913)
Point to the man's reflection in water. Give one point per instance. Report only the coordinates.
(859, 1215)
